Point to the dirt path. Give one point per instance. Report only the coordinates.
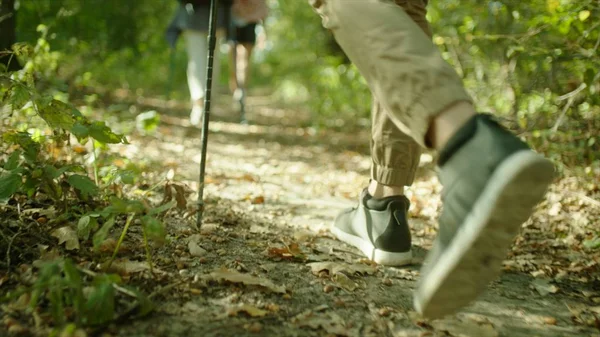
(264, 263)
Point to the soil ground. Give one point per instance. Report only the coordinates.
(272, 191)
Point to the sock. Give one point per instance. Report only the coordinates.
(377, 204)
(461, 136)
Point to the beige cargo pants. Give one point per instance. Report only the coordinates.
(390, 43)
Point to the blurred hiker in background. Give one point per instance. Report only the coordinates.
(245, 15)
(192, 19)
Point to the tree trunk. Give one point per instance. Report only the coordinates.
(8, 24)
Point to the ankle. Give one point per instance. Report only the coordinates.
(445, 125)
(378, 190)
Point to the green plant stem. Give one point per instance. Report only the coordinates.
(95, 165)
(121, 238)
(147, 247)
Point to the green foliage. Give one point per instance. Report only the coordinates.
(40, 126)
(87, 299)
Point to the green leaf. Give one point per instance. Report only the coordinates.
(58, 115)
(13, 161)
(80, 131)
(584, 15)
(100, 306)
(147, 122)
(47, 271)
(127, 177)
(9, 185)
(154, 229)
(55, 294)
(19, 96)
(124, 206)
(163, 208)
(53, 173)
(85, 226)
(145, 305)
(23, 139)
(102, 233)
(83, 184)
(103, 134)
(592, 244)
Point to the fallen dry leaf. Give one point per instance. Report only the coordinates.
(290, 251)
(236, 277)
(457, 327)
(544, 287)
(344, 281)
(195, 249)
(251, 310)
(68, 236)
(331, 323)
(126, 267)
(338, 267)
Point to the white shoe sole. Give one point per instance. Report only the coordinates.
(474, 257)
(376, 255)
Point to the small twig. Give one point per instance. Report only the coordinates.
(585, 198)
(571, 98)
(8, 249)
(164, 289)
(116, 286)
(572, 93)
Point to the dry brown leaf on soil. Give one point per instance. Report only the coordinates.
(331, 323)
(68, 236)
(544, 287)
(337, 267)
(180, 196)
(290, 251)
(125, 267)
(465, 327)
(344, 281)
(259, 200)
(49, 213)
(236, 277)
(195, 249)
(251, 310)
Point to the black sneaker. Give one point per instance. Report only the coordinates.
(492, 181)
(377, 227)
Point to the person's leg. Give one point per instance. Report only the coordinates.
(197, 51)
(395, 158)
(491, 179)
(196, 45)
(242, 52)
(395, 154)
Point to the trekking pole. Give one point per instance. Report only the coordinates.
(212, 42)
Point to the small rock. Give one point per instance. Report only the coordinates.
(550, 320)
(387, 281)
(328, 288)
